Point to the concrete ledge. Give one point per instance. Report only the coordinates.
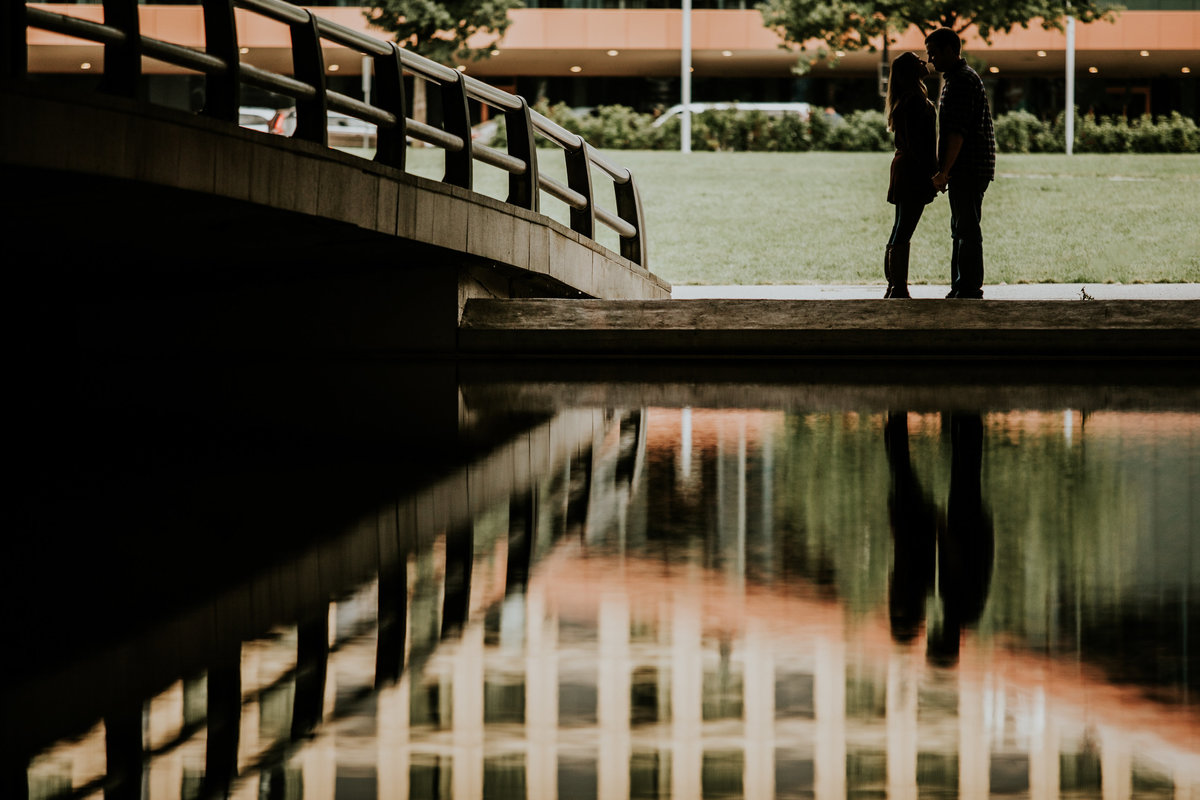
(840, 328)
(824, 385)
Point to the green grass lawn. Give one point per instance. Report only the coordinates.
(763, 218)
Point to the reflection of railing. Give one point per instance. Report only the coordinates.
(224, 71)
(409, 623)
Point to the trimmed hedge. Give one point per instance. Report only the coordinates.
(618, 127)
(1021, 132)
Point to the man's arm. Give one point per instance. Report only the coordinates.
(946, 159)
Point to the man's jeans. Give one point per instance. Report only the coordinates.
(966, 262)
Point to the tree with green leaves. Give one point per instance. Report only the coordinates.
(847, 25)
(441, 30)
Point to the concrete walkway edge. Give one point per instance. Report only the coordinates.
(1016, 291)
(738, 327)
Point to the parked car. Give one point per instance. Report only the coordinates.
(771, 109)
(256, 118)
(344, 130)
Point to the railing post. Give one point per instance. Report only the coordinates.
(222, 93)
(13, 25)
(391, 144)
(456, 119)
(579, 178)
(522, 189)
(122, 62)
(308, 64)
(629, 208)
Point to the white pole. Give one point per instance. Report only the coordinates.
(367, 64)
(685, 80)
(1070, 102)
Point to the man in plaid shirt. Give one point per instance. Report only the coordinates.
(966, 157)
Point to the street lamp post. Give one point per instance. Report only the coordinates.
(685, 80)
(1070, 101)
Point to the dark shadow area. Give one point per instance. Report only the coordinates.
(118, 267)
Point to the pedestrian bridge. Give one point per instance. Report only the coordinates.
(214, 236)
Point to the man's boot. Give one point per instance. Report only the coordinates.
(970, 270)
(955, 277)
(887, 271)
(898, 267)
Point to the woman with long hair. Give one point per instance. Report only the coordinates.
(913, 120)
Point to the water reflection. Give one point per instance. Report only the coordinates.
(955, 545)
(684, 602)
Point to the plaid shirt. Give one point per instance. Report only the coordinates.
(963, 109)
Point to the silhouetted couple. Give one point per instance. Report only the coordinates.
(955, 551)
(952, 149)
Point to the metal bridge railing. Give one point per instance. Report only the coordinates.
(220, 62)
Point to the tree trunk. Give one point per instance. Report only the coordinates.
(420, 109)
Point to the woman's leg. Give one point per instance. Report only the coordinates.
(887, 254)
(908, 214)
(896, 260)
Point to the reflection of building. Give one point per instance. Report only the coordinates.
(588, 55)
(703, 698)
(621, 668)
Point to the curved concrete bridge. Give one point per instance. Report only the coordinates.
(142, 227)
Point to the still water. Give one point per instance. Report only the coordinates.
(658, 600)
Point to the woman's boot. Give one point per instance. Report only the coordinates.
(897, 258)
(887, 271)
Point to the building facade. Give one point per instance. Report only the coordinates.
(596, 52)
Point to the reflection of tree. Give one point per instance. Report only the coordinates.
(829, 475)
(1102, 568)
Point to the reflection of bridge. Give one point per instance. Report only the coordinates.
(217, 236)
(234, 681)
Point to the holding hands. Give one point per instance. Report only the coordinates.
(940, 181)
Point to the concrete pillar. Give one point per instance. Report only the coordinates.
(1044, 778)
(467, 715)
(248, 739)
(829, 701)
(613, 698)
(901, 711)
(166, 721)
(541, 698)
(1116, 764)
(392, 740)
(758, 678)
(318, 767)
(974, 746)
(683, 464)
(247, 788)
(687, 690)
